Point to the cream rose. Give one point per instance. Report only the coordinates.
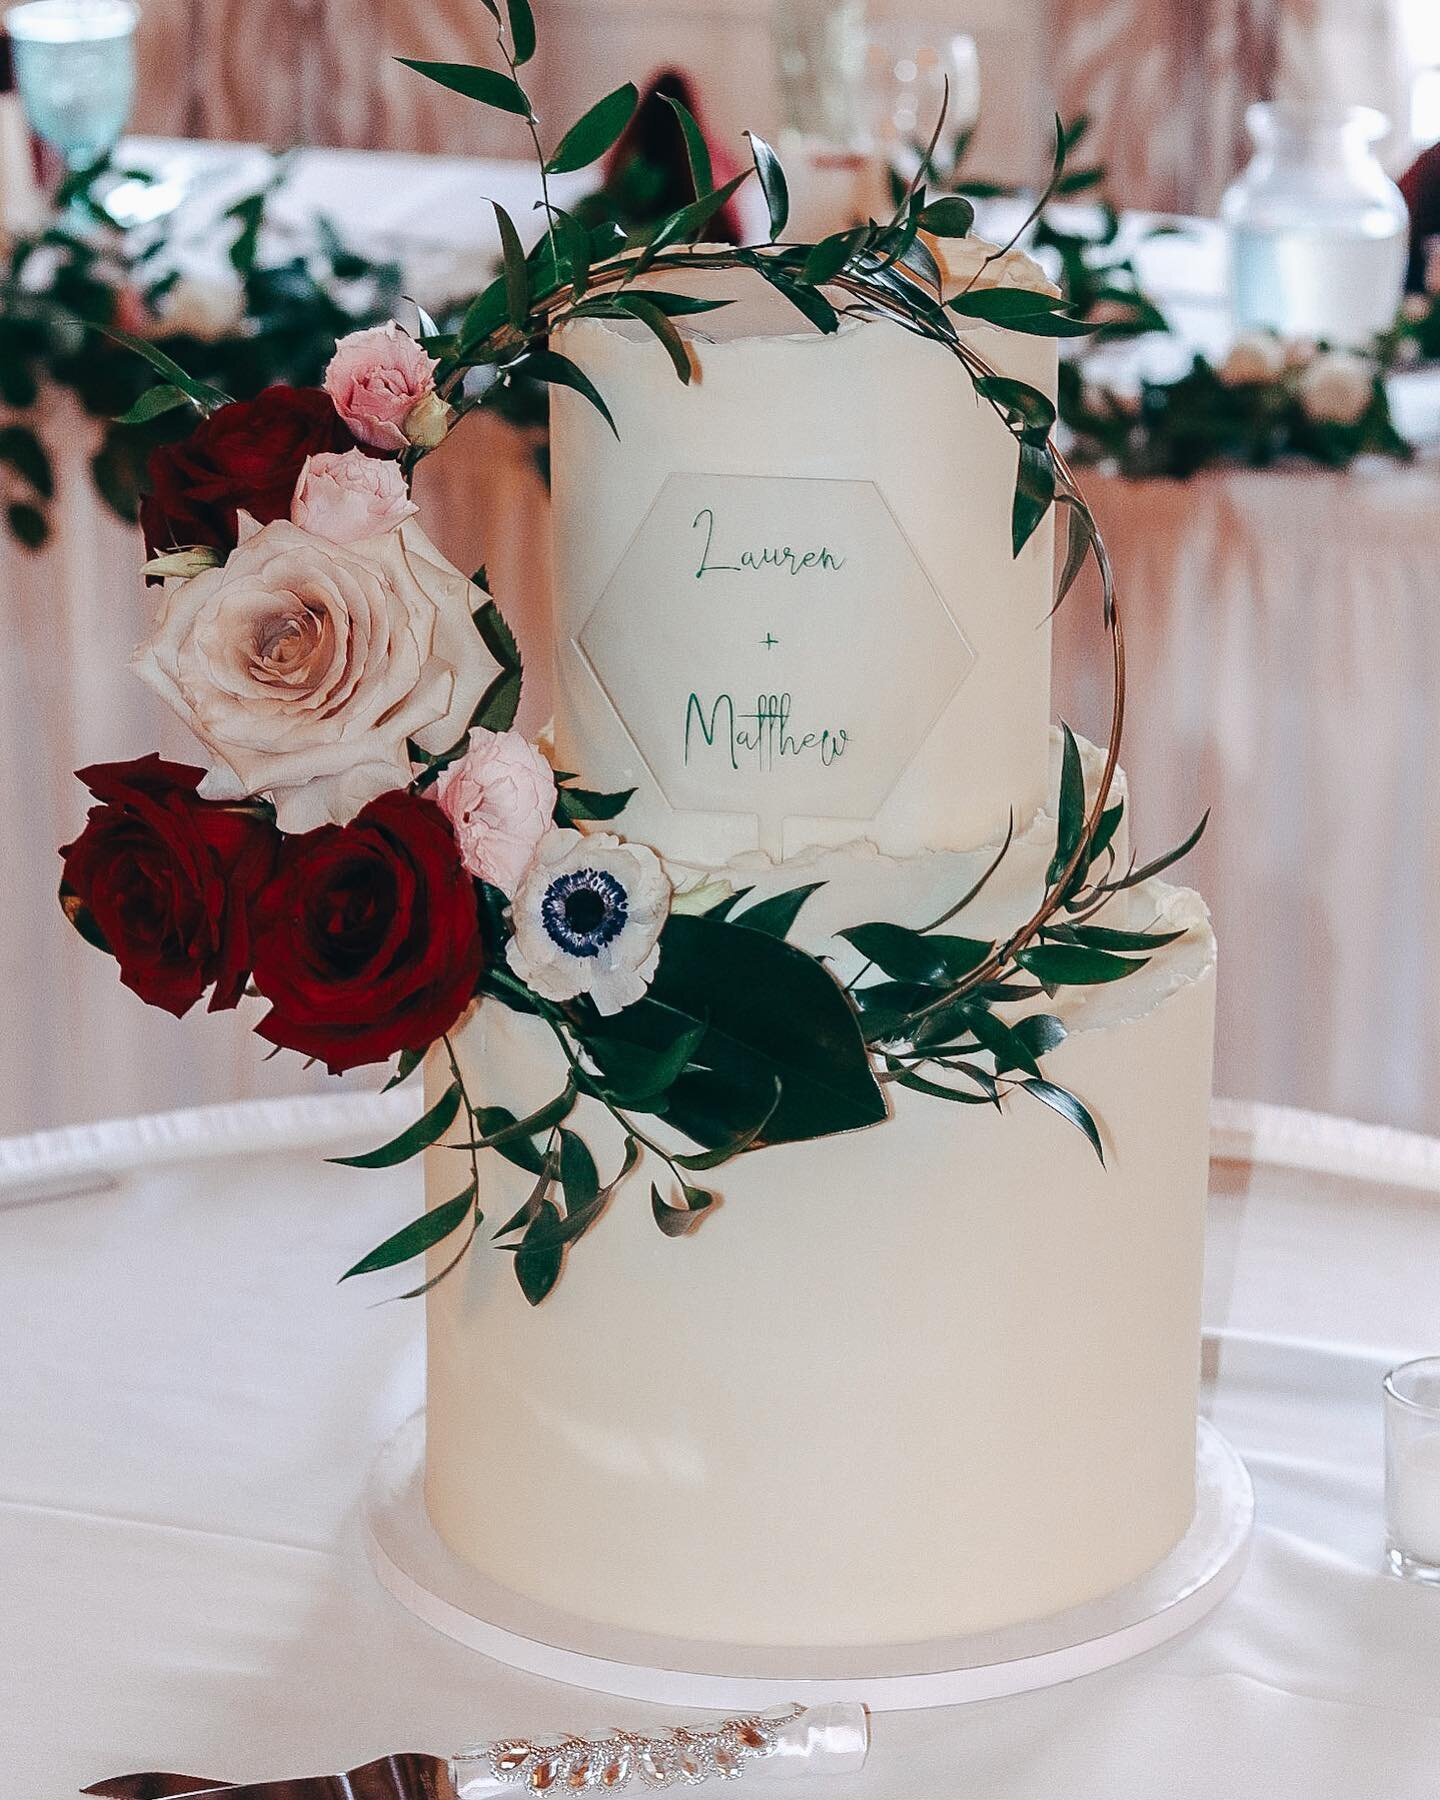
(971, 262)
(1337, 388)
(1254, 357)
(346, 496)
(304, 666)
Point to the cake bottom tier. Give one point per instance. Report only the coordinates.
(920, 1381)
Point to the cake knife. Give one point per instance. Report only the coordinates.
(799, 1740)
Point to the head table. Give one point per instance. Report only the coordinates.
(190, 1406)
(1285, 662)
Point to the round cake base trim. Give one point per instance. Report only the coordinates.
(417, 1567)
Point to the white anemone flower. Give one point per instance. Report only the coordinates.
(587, 917)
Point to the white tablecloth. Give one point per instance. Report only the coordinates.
(189, 1405)
(1285, 671)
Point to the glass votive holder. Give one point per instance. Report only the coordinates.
(1412, 1470)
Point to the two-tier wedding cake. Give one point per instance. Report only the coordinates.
(912, 1381)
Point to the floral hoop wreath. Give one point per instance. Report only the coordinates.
(370, 885)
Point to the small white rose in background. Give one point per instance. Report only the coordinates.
(346, 496)
(971, 262)
(587, 919)
(700, 895)
(1255, 356)
(380, 379)
(500, 798)
(1337, 388)
(199, 308)
(1415, 308)
(304, 666)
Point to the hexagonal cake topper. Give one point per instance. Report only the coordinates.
(772, 645)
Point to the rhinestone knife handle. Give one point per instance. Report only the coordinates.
(800, 1740)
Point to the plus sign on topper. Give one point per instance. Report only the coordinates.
(773, 646)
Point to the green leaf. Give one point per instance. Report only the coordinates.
(522, 30)
(1147, 871)
(163, 398)
(578, 1174)
(772, 184)
(551, 366)
(732, 1147)
(500, 1124)
(495, 632)
(418, 1236)
(572, 803)
(539, 1258)
(595, 131)
(773, 1014)
(205, 397)
(406, 1064)
(639, 306)
(517, 277)
(1062, 1101)
(1101, 937)
(807, 300)
(827, 258)
(1010, 1050)
(951, 216)
(722, 909)
(1081, 534)
(678, 305)
(28, 524)
(488, 86)
(500, 702)
(1070, 824)
(484, 315)
(1040, 1033)
(697, 151)
(677, 1221)
(579, 1219)
(687, 222)
(1019, 309)
(635, 1074)
(22, 451)
(427, 1130)
(515, 1130)
(575, 240)
(777, 914)
(1025, 408)
(933, 960)
(1034, 492)
(1070, 965)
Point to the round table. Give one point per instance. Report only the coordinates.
(190, 1405)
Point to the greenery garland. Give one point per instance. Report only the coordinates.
(929, 1019)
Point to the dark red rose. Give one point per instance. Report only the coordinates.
(168, 879)
(248, 454)
(367, 939)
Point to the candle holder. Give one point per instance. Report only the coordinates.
(1412, 1470)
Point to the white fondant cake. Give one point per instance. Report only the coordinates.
(936, 1376)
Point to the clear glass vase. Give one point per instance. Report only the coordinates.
(1318, 231)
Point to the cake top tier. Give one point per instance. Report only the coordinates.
(788, 610)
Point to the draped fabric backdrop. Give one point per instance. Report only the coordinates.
(1167, 82)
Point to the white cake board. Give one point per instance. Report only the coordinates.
(425, 1576)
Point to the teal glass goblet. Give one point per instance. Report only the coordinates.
(75, 71)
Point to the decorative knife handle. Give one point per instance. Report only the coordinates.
(815, 1740)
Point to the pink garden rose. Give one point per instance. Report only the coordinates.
(376, 378)
(499, 798)
(348, 496)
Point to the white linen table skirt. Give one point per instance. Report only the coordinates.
(190, 1404)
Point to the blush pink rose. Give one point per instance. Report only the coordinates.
(500, 800)
(346, 496)
(375, 379)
